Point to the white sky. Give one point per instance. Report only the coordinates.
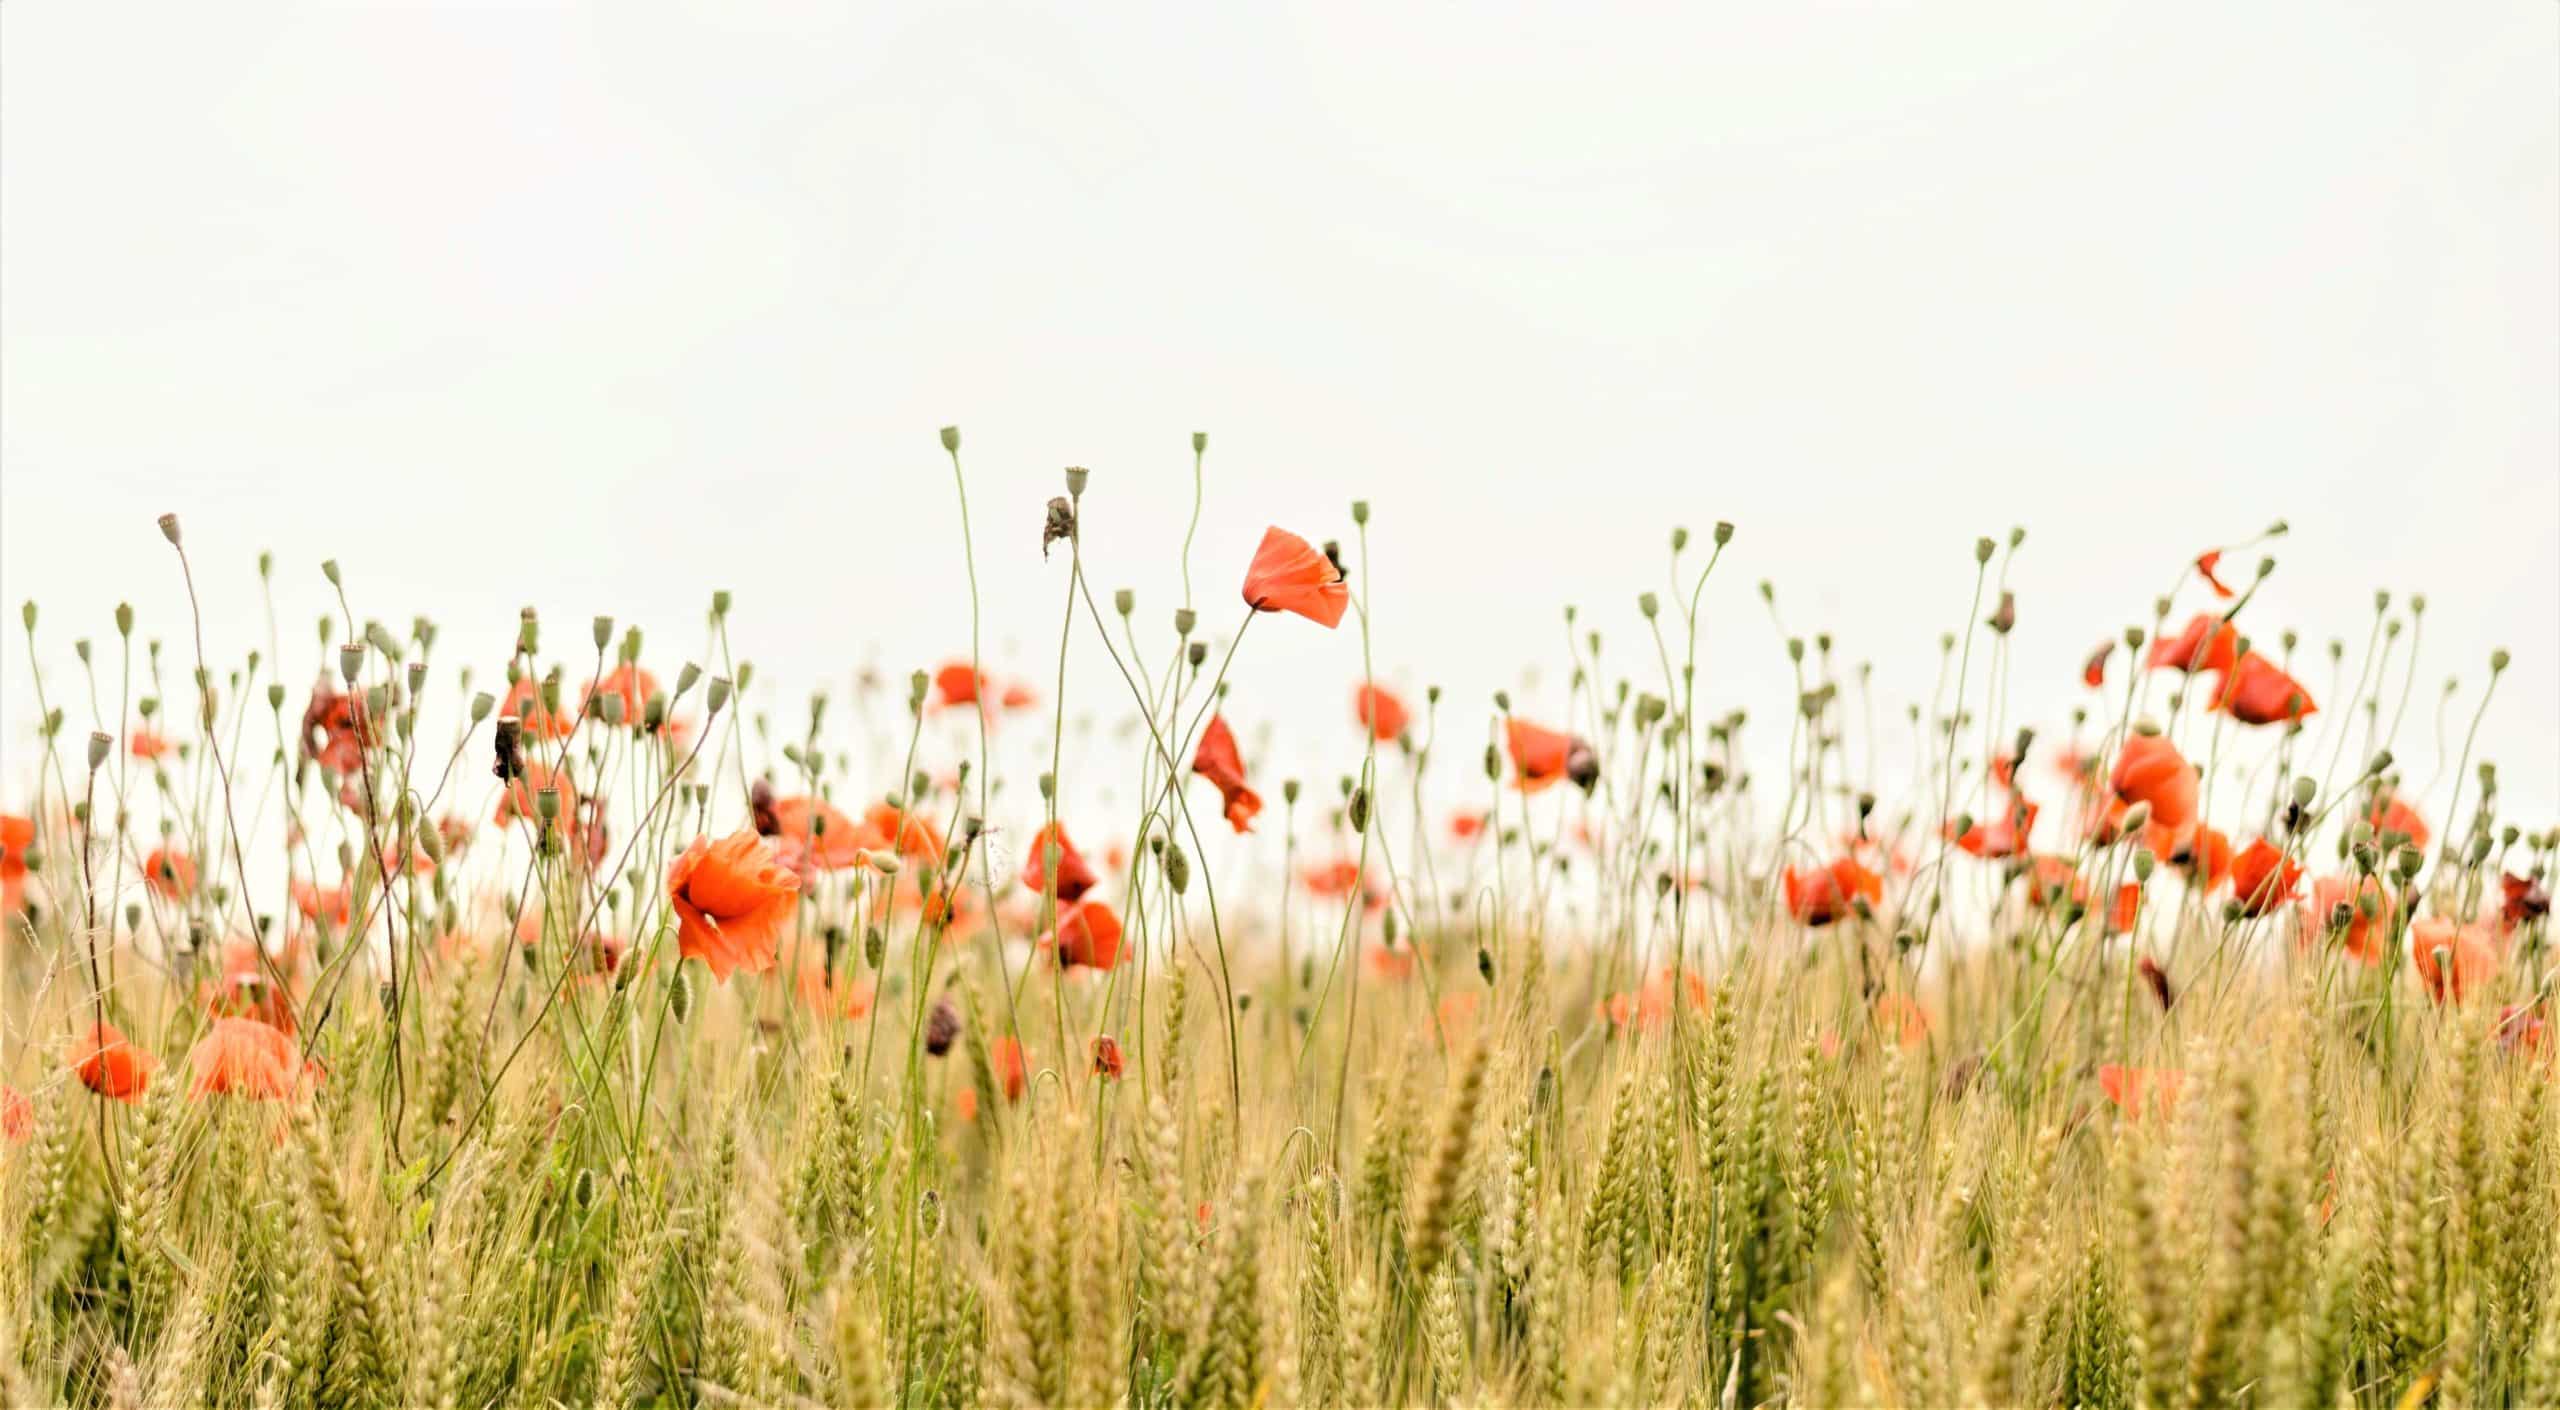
(601, 308)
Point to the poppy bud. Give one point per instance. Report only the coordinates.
(2304, 790)
(2143, 863)
(1493, 763)
(2498, 660)
(1124, 601)
(1723, 532)
(2410, 861)
(1795, 648)
(1679, 538)
(1184, 619)
(685, 678)
(1388, 928)
(1582, 765)
(653, 716)
(1647, 604)
(2266, 566)
(875, 946)
(2381, 762)
(2136, 818)
(1982, 550)
(1358, 810)
(99, 747)
(885, 863)
(951, 439)
(2017, 535)
(124, 619)
(33, 856)
(720, 601)
(528, 631)
(717, 696)
(680, 996)
(1197, 654)
(1359, 511)
(1177, 868)
(80, 648)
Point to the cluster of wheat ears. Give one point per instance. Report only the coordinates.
(328, 1086)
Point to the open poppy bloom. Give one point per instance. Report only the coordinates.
(903, 832)
(2256, 691)
(2149, 769)
(170, 873)
(2521, 900)
(1108, 1064)
(841, 995)
(1901, 1018)
(733, 898)
(1019, 696)
(1466, 826)
(2390, 814)
(1650, 1007)
(523, 796)
(2206, 564)
(1289, 575)
(2207, 644)
(2520, 1029)
(334, 731)
(146, 744)
(1539, 755)
(2137, 1090)
(2002, 837)
(110, 1066)
(1822, 895)
(955, 685)
(241, 1057)
(17, 1115)
(1390, 962)
(524, 702)
(632, 684)
(1075, 875)
(322, 903)
(1217, 761)
(2452, 960)
(2052, 881)
(2368, 915)
(1005, 1055)
(1338, 879)
(17, 835)
(1087, 934)
(2264, 878)
(2125, 909)
(2204, 853)
(811, 832)
(1381, 712)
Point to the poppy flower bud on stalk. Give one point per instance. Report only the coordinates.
(1679, 538)
(275, 695)
(1359, 511)
(528, 631)
(1647, 605)
(2136, 818)
(1983, 549)
(329, 570)
(2143, 863)
(1124, 601)
(124, 619)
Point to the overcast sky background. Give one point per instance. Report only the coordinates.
(601, 308)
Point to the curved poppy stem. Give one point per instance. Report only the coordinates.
(978, 705)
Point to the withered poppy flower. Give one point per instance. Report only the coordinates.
(2256, 691)
(242, 1057)
(110, 1066)
(524, 703)
(2139, 1090)
(2369, 914)
(2390, 814)
(733, 899)
(1539, 756)
(17, 1115)
(2452, 960)
(2263, 878)
(2521, 900)
(956, 684)
(2093, 673)
(1107, 1062)
(1087, 934)
(334, 730)
(2206, 564)
(2208, 644)
(1289, 575)
(2149, 769)
(813, 832)
(1378, 709)
(1075, 874)
(2157, 980)
(170, 873)
(1819, 896)
(1217, 761)
(941, 1027)
(17, 836)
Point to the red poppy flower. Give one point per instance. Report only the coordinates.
(17, 835)
(2208, 644)
(955, 685)
(2264, 878)
(110, 1066)
(2149, 769)
(2452, 959)
(1289, 575)
(326, 903)
(1900, 1017)
(1019, 696)
(2368, 915)
(1217, 761)
(905, 833)
(2521, 900)
(634, 685)
(1005, 1054)
(1390, 962)
(2256, 691)
(2520, 1029)
(2125, 910)
(842, 995)
(1087, 934)
(1539, 756)
(17, 1115)
(2001, 837)
(1377, 708)
(334, 730)
(170, 873)
(1107, 1062)
(2390, 814)
(2136, 1090)
(2205, 854)
(1337, 879)
(2053, 880)
(1467, 826)
(733, 899)
(524, 701)
(811, 832)
(1075, 875)
(2093, 674)
(1821, 896)
(2206, 563)
(242, 1057)
(523, 795)
(146, 744)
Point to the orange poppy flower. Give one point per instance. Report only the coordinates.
(1539, 756)
(905, 833)
(1902, 1018)
(2206, 563)
(146, 744)
(1289, 575)
(733, 899)
(334, 730)
(524, 702)
(1467, 826)
(1377, 708)
(2451, 958)
(811, 831)
(634, 685)
(2390, 814)
(2368, 915)
(1075, 874)
(325, 903)
(1821, 896)
(2264, 878)
(2093, 673)
(1217, 761)
(2149, 769)
(170, 873)
(2207, 644)
(1457, 1014)
(843, 995)
(2204, 852)
(17, 1115)
(2136, 1090)
(110, 1066)
(2053, 880)
(17, 835)
(955, 685)
(242, 1057)
(2520, 1029)
(2256, 691)
(1005, 1054)
(1087, 934)
(522, 797)
(1338, 879)
(1019, 696)
(964, 1103)
(2001, 837)
(1107, 1061)
(1650, 1006)
(2125, 909)
(1390, 962)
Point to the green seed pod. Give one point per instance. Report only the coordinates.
(1177, 868)
(680, 995)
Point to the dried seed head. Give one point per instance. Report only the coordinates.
(100, 745)
(169, 530)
